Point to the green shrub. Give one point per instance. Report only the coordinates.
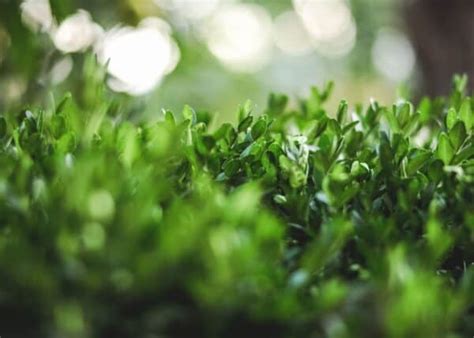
(290, 223)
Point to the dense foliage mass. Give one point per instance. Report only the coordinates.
(291, 223)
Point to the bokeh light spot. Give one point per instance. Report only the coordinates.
(189, 9)
(240, 36)
(330, 23)
(93, 236)
(101, 205)
(393, 55)
(138, 58)
(76, 33)
(61, 70)
(290, 35)
(37, 15)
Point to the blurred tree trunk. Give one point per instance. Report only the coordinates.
(442, 33)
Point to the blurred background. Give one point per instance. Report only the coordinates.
(215, 54)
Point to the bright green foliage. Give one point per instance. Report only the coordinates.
(291, 223)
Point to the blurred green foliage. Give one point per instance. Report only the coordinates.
(289, 223)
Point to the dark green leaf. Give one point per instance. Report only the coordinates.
(245, 124)
(258, 129)
(457, 135)
(231, 167)
(445, 150)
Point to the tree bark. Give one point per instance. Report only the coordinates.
(442, 33)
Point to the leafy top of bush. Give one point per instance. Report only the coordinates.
(291, 223)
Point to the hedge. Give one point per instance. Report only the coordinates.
(293, 222)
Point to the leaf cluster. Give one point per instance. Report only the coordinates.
(289, 223)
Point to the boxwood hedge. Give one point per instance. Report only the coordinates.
(293, 222)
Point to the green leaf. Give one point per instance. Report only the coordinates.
(258, 128)
(327, 91)
(348, 127)
(66, 143)
(330, 241)
(466, 115)
(342, 111)
(245, 124)
(231, 167)
(417, 160)
(412, 125)
(445, 150)
(317, 129)
(359, 170)
(169, 117)
(460, 82)
(451, 118)
(58, 125)
(64, 102)
(404, 112)
(245, 110)
(277, 104)
(392, 120)
(334, 127)
(435, 171)
(465, 153)
(189, 114)
(457, 135)
(424, 108)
